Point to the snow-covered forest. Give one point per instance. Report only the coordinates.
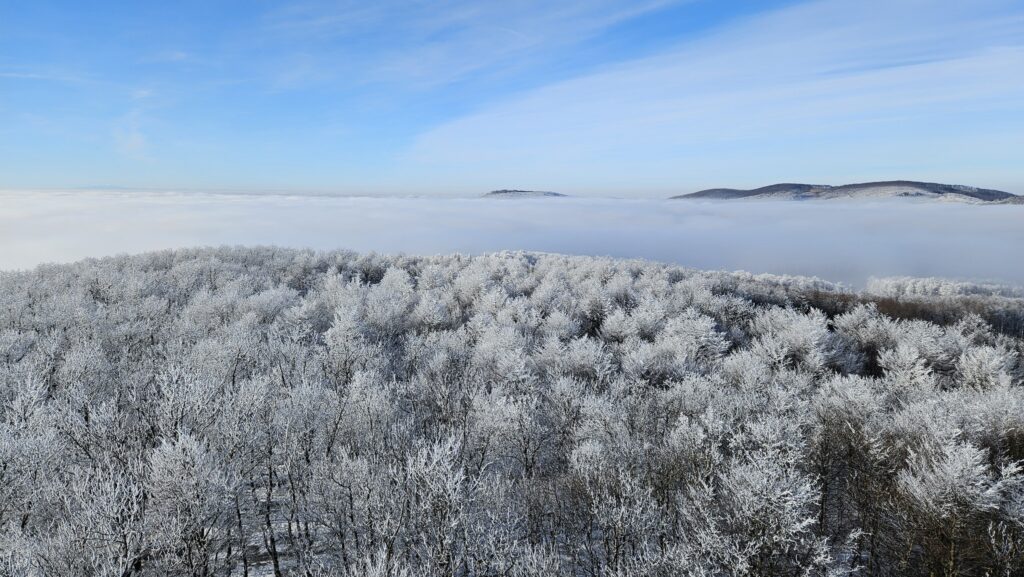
(276, 412)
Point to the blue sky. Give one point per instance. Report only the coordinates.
(607, 97)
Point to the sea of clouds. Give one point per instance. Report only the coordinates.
(839, 241)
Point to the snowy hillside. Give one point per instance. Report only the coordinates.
(505, 193)
(868, 190)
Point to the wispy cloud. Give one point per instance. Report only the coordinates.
(435, 43)
(172, 56)
(824, 90)
(459, 95)
(129, 138)
(45, 76)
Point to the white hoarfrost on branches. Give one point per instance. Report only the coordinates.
(270, 412)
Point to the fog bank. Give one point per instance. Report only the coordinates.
(839, 241)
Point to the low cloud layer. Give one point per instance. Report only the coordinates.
(839, 241)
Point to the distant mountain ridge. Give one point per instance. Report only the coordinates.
(883, 189)
(512, 193)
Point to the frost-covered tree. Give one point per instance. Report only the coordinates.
(262, 411)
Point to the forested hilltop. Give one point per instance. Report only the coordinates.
(871, 190)
(277, 412)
